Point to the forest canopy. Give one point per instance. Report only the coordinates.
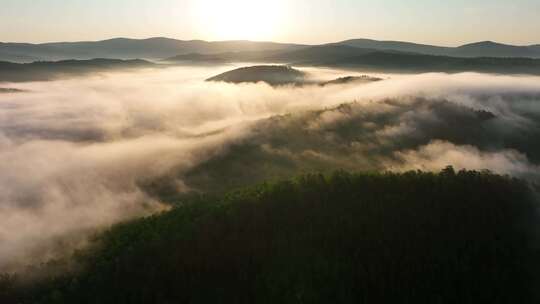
(448, 237)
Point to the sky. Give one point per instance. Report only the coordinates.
(448, 23)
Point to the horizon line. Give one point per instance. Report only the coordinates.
(266, 41)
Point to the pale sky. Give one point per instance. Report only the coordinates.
(442, 22)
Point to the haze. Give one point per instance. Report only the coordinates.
(91, 143)
(448, 23)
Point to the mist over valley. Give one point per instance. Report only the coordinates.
(272, 158)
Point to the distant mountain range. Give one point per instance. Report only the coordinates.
(479, 49)
(123, 48)
(418, 63)
(368, 55)
(344, 56)
(335, 56)
(159, 48)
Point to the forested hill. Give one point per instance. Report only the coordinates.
(451, 237)
(161, 47)
(396, 62)
(271, 74)
(125, 48)
(343, 56)
(51, 70)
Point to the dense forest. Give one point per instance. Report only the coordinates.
(414, 237)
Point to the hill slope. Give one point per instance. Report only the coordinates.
(493, 49)
(316, 54)
(43, 70)
(479, 49)
(277, 75)
(160, 47)
(401, 62)
(123, 48)
(347, 238)
(335, 55)
(271, 74)
(397, 46)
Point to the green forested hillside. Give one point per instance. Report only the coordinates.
(451, 237)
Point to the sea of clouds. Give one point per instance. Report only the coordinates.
(75, 152)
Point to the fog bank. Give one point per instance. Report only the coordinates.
(75, 153)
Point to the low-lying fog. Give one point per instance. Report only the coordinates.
(75, 153)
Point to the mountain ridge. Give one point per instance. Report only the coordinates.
(52, 70)
(475, 49)
(163, 47)
(128, 48)
(342, 56)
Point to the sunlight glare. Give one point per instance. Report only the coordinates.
(238, 19)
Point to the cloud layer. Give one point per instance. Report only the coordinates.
(75, 155)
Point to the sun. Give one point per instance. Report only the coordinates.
(238, 19)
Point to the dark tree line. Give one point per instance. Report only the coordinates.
(449, 237)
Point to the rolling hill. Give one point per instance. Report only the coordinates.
(45, 70)
(396, 46)
(276, 75)
(160, 47)
(332, 55)
(123, 48)
(478, 49)
(493, 49)
(316, 54)
(196, 58)
(342, 56)
(273, 75)
(400, 62)
(448, 237)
